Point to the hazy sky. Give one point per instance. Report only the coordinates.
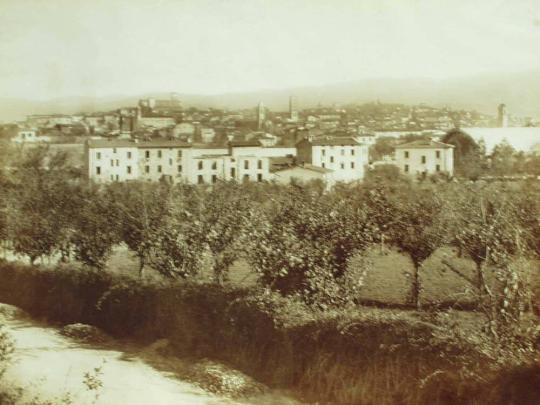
(57, 48)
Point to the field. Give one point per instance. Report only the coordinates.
(387, 281)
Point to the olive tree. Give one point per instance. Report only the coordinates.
(415, 231)
(143, 212)
(97, 228)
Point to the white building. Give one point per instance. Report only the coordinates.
(520, 138)
(345, 156)
(155, 122)
(424, 157)
(29, 136)
(304, 174)
(368, 139)
(208, 135)
(175, 161)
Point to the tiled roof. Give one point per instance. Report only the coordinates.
(128, 143)
(244, 143)
(335, 141)
(424, 144)
(305, 166)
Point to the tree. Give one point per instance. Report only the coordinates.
(468, 156)
(178, 250)
(485, 225)
(303, 244)
(143, 209)
(43, 194)
(225, 216)
(502, 159)
(383, 146)
(97, 228)
(415, 232)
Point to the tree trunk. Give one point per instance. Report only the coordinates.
(141, 267)
(415, 287)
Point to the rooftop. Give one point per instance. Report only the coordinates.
(244, 143)
(304, 166)
(129, 143)
(424, 144)
(332, 141)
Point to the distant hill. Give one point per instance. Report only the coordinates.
(519, 91)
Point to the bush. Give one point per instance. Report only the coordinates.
(334, 356)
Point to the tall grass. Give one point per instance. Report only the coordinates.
(353, 356)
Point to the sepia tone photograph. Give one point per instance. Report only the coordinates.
(270, 202)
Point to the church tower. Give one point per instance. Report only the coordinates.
(502, 116)
(261, 115)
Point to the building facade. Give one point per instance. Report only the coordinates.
(174, 161)
(345, 156)
(425, 157)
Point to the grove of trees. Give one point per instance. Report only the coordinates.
(298, 240)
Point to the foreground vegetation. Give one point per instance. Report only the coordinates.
(344, 355)
(300, 325)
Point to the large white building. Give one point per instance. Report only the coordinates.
(123, 160)
(345, 156)
(424, 157)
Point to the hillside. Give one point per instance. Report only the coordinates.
(519, 91)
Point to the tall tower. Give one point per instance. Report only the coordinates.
(293, 108)
(261, 115)
(502, 116)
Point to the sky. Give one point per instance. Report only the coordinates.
(61, 48)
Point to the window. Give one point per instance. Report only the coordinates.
(116, 177)
(112, 162)
(179, 168)
(331, 159)
(147, 169)
(129, 155)
(406, 153)
(200, 179)
(246, 177)
(259, 177)
(170, 161)
(214, 165)
(128, 169)
(98, 170)
(438, 168)
(259, 164)
(342, 152)
(98, 155)
(352, 165)
(114, 150)
(159, 154)
(200, 164)
(214, 178)
(323, 152)
(342, 165)
(147, 154)
(179, 153)
(246, 164)
(159, 169)
(233, 172)
(423, 159)
(438, 154)
(406, 168)
(352, 152)
(323, 165)
(117, 163)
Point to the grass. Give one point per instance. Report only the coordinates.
(387, 282)
(341, 356)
